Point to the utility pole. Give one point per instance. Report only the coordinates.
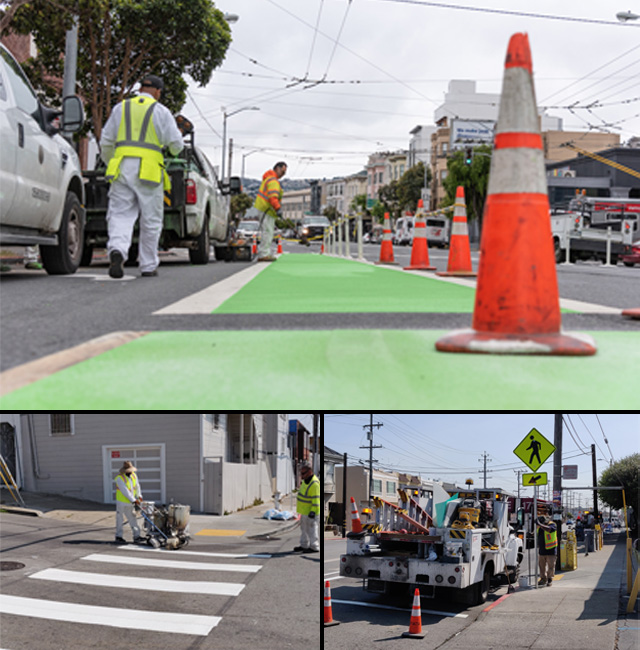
(344, 497)
(485, 456)
(557, 481)
(595, 482)
(371, 448)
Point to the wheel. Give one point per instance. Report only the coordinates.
(629, 264)
(65, 257)
(479, 592)
(559, 252)
(87, 255)
(200, 254)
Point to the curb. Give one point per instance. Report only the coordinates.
(19, 510)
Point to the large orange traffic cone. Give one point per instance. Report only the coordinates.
(328, 617)
(279, 251)
(420, 249)
(386, 248)
(415, 626)
(356, 525)
(459, 251)
(517, 307)
(632, 313)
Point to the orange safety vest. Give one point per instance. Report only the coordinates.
(269, 194)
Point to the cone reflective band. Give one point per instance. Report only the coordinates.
(420, 249)
(386, 248)
(356, 526)
(328, 616)
(459, 251)
(517, 307)
(415, 626)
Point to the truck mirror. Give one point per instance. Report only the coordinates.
(235, 185)
(72, 114)
(185, 126)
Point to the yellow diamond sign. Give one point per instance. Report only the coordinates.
(534, 450)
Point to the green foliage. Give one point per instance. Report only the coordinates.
(388, 195)
(331, 212)
(410, 184)
(359, 204)
(625, 472)
(473, 178)
(119, 41)
(377, 211)
(240, 203)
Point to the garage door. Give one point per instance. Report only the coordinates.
(149, 461)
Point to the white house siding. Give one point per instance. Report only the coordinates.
(214, 430)
(73, 465)
(279, 454)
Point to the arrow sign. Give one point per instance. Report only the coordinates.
(534, 450)
(539, 478)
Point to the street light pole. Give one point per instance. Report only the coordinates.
(226, 115)
(245, 155)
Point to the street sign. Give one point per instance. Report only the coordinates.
(534, 450)
(538, 478)
(569, 471)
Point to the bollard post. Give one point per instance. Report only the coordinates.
(360, 252)
(347, 240)
(608, 260)
(339, 233)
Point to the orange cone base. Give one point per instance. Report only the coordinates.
(419, 267)
(632, 313)
(414, 635)
(470, 340)
(460, 274)
(330, 623)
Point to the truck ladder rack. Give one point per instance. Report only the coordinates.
(414, 509)
(388, 515)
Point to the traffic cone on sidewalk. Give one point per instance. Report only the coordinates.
(328, 617)
(279, 251)
(420, 249)
(356, 525)
(386, 248)
(517, 308)
(459, 251)
(415, 626)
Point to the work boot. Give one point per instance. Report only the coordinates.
(120, 540)
(542, 583)
(549, 582)
(149, 274)
(115, 268)
(267, 258)
(140, 540)
(299, 549)
(33, 266)
(310, 550)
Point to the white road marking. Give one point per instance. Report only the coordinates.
(129, 582)
(333, 578)
(171, 564)
(99, 277)
(136, 619)
(398, 609)
(203, 553)
(205, 301)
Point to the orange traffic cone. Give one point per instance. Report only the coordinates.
(254, 248)
(420, 249)
(632, 313)
(459, 251)
(517, 307)
(328, 617)
(356, 525)
(279, 251)
(386, 248)
(415, 626)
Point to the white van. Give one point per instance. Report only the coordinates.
(438, 229)
(403, 233)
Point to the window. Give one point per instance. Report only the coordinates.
(25, 99)
(391, 487)
(377, 486)
(380, 177)
(61, 425)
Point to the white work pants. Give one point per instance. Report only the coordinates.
(128, 198)
(309, 532)
(126, 510)
(266, 235)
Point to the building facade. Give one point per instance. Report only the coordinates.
(295, 204)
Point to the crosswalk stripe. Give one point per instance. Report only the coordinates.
(171, 564)
(129, 582)
(202, 553)
(112, 616)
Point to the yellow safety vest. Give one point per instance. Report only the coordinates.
(131, 481)
(309, 497)
(550, 539)
(270, 188)
(137, 138)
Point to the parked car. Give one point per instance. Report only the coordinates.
(41, 190)
(247, 229)
(633, 257)
(311, 227)
(374, 236)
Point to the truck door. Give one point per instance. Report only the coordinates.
(38, 195)
(9, 147)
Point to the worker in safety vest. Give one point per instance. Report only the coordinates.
(547, 550)
(128, 496)
(268, 202)
(308, 506)
(131, 145)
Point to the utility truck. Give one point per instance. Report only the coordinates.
(434, 542)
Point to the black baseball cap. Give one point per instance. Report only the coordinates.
(152, 82)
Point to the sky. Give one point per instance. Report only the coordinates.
(375, 69)
(450, 447)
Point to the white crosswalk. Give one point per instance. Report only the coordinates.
(138, 619)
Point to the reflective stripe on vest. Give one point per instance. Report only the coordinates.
(131, 485)
(262, 199)
(309, 498)
(550, 539)
(137, 138)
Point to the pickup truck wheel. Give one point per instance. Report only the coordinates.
(65, 257)
(560, 252)
(202, 252)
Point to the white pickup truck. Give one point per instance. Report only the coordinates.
(196, 211)
(41, 189)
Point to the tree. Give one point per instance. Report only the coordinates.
(119, 41)
(625, 472)
(331, 212)
(388, 195)
(473, 178)
(359, 204)
(240, 203)
(410, 184)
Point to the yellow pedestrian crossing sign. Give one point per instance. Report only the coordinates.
(537, 478)
(534, 450)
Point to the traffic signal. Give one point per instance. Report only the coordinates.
(469, 156)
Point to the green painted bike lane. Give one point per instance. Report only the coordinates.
(335, 369)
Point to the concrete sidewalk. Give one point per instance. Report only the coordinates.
(245, 524)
